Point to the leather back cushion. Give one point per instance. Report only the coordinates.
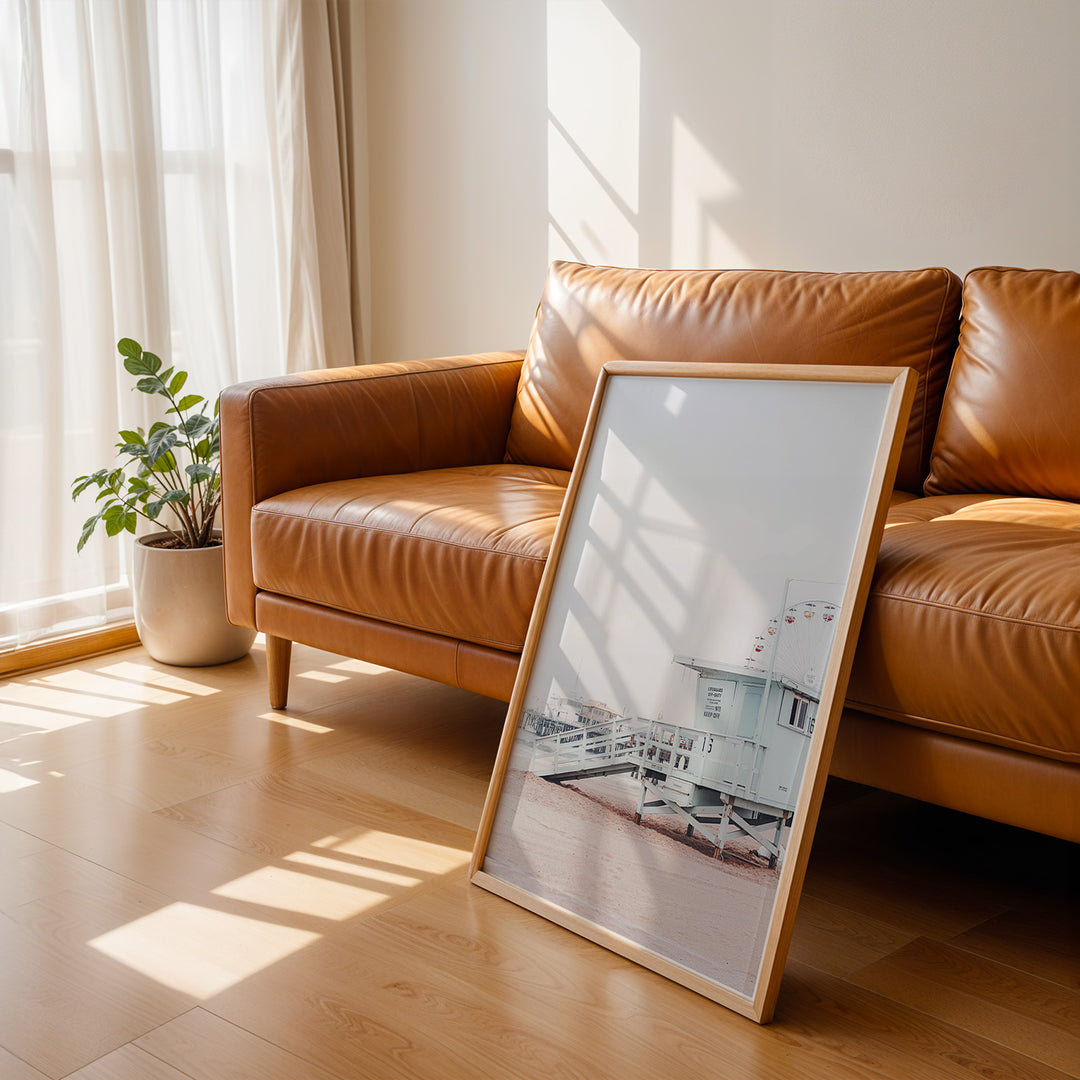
(1010, 422)
(589, 315)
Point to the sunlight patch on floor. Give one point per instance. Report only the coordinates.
(17, 720)
(11, 781)
(373, 873)
(75, 706)
(396, 850)
(85, 682)
(143, 673)
(200, 951)
(322, 676)
(295, 722)
(304, 893)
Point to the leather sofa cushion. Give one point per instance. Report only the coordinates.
(1009, 419)
(589, 315)
(457, 552)
(972, 627)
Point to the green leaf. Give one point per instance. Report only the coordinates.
(83, 482)
(132, 437)
(160, 443)
(153, 362)
(164, 464)
(115, 516)
(189, 401)
(199, 472)
(137, 483)
(195, 426)
(89, 525)
(177, 384)
(150, 385)
(136, 362)
(154, 508)
(130, 521)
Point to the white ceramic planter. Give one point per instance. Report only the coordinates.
(180, 605)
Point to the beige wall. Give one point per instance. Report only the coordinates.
(821, 134)
(457, 189)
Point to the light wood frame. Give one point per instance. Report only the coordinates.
(722, 396)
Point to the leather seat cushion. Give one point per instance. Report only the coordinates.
(973, 622)
(457, 552)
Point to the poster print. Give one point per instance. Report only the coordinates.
(668, 737)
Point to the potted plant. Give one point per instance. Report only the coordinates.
(169, 476)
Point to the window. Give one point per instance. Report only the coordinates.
(145, 170)
(796, 714)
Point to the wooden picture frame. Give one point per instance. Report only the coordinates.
(687, 661)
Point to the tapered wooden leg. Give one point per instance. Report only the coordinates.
(278, 653)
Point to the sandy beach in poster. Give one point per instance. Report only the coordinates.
(576, 845)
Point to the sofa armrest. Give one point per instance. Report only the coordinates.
(318, 426)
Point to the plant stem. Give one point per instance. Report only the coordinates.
(196, 527)
(133, 508)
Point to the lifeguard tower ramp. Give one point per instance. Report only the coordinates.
(601, 749)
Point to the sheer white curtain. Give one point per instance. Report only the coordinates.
(170, 170)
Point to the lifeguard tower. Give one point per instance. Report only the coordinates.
(737, 767)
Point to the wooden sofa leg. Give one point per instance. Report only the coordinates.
(278, 653)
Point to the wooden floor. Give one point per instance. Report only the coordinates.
(194, 886)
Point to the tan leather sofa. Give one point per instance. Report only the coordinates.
(402, 513)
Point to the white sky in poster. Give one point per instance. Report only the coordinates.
(702, 498)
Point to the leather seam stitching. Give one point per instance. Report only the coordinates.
(412, 373)
(403, 535)
(994, 616)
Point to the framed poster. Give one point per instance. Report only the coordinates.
(668, 738)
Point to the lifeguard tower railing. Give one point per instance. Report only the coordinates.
(723, 762)
(594, 750)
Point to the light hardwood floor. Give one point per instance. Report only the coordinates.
(192, 886)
